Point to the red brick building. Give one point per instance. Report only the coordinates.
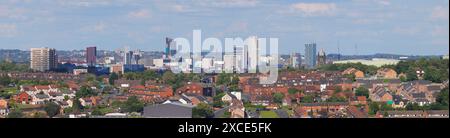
(192, 88)
(151, 92)
(23, 98)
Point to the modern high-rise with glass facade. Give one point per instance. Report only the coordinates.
(310, 55)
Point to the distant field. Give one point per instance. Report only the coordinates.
(268, 114)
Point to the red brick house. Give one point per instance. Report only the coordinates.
(386, 73)
(151, 92)
(356, 72)
(192, 88)
(23, 98)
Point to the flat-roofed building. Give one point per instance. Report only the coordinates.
(43, 59)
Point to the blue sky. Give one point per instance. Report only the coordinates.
(413, 27)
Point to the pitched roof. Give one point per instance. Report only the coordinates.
(168, 111)
(42, 96)
(42, 87)
(434, 88)
(356, 113)
(231, 95)
(418, 95)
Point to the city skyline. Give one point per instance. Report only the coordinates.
(360, 26)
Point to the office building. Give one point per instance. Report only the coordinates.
(252, 56)
(310, 55)
(295, 60)
(128, 55)
(239, 59)
(91, 56)
(170, 48)
(229, 63)
(137, 56)
(43, 59)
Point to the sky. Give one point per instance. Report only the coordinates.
(411, 27)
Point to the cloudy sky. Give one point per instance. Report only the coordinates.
(416, 27)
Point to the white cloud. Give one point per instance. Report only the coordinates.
(228, 3)
(313, 9)
(202, 7)
(159, 29)
(407, 30)
(384, 2)
(367, 21)
(85, 3)
(440, 13)
(8, 30)
(98, 27)
(179, 8)
(373, 18)
(370, 2)
(140, 14)
(440, 31)
(233, 29)
(13, 13)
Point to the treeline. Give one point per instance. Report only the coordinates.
(176, 80)
(370, 70)
(9, 66)
(436, 70)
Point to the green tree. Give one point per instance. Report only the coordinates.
(15, 114)
(402, 78)
(336, 99)
(337, 89)
(52, 109)
(374, 107)
(85, 92)
(202, 110)
(133, 104)
(151, 75)
(10, 66)
(217, 100)
(112, 78)
(307, 99)
(386, 107)
(361, 91)
(76, 106)
(90, 78)
(39, 115)
(66, 97)
(411, 75)
(293, 91)
(223, 79)
(278, 98)
(97, 112)
(350, 76)
(442, 98)
(169, 78)
(413, 106)
(5, 80)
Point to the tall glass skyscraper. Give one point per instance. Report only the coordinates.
(310, 55)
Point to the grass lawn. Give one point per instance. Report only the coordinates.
(10, 90)
(268, 114)
(290, 112)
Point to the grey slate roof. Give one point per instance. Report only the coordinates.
(418, 95)
(168, 111)
(41, 96)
